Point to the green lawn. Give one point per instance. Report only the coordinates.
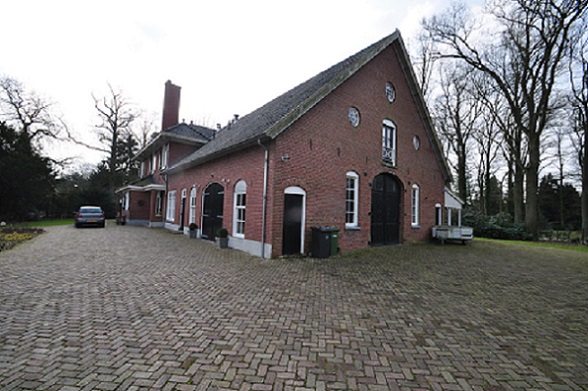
(560, 246)
(46, 223)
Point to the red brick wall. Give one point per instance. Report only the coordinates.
(152, 204)
(248, 166)
(179, 151)
(176, 153)
(171, 105)
(139, 205)
(322, 147)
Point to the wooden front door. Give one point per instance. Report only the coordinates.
(385, 225)
(212, 210)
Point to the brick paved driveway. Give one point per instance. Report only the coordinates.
(135, 308)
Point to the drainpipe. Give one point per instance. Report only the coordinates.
(164, 201)
(264, 204)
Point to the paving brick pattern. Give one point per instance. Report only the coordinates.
(127, 308)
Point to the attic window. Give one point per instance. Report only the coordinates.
(390, 92)
(416, 143)
(354, 116)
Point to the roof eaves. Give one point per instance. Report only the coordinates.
(182, 165)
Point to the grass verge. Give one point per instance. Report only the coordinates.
(46, 223)
(559, 246)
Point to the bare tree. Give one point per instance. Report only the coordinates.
(456, 112)
(488, 139)
(424, 58)
(116, 115)
(524, 61)
(145, 130)
(579, 100)
(26, 111)
(499, 131)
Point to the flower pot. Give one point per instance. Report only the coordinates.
(222, 242)
(193, 234)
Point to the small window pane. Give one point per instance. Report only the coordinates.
(240, 208)
(351, 200)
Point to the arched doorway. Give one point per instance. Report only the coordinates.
(212, 210)
(294, 221)
(385, 225)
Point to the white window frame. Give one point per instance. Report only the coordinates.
(192, 205)
(127, 200)
(389, 142)
(239, 205)
(142, 172)
(299, 191)
(153, 162)
(171, 206)
(415, 205)
(164, 155)
(354, 223)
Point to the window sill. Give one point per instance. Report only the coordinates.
(353, 228)
(415, 226)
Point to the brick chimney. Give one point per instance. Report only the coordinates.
(171, 105)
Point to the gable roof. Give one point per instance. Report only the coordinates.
(268, 121)
(182, 133)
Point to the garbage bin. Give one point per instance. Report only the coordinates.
(325, 241)
(334, 240)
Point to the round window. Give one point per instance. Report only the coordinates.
(416, 143)
(390, 92)
(354, 116)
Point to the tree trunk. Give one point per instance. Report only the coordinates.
(518, 195)
(462, 175)
(532, 185)
(584, 164)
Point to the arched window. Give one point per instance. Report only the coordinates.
(351, 200)
(240, 202)
(415, 210)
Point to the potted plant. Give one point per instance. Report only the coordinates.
(223, 237)
(193, 227)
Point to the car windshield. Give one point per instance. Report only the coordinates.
(90, 210)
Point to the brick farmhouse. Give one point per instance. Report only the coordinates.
(351, 148)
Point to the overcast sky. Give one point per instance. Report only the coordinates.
(229, 56)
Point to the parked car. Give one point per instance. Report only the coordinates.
(90, 215)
